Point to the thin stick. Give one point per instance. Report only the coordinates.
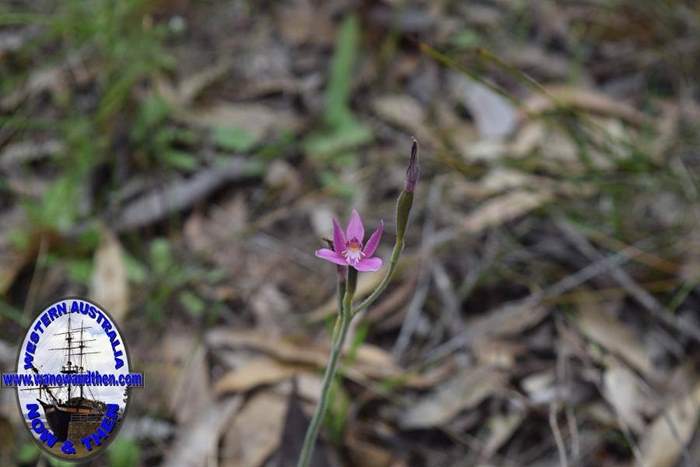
(558, 439)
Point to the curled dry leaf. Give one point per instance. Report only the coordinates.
(110, 287)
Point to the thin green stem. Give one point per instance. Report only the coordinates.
(340, 332)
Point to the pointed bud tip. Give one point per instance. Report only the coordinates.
(413, 168)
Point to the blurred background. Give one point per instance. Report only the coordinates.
(179, 161)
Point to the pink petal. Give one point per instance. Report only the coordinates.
(369, 264)
(338, 237)
(332, 256)
(355, 227)
(374, 239)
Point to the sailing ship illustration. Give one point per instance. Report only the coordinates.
(70, 412)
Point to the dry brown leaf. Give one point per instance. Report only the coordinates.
(272, 310)
(540, 386)
(23, 152)
(12, 259)
(189, 88)
(663, 443)
(497, 352)
(623, 391)
(255, 431)
(301, 22)
(501, 427)
(504, 208)
(110, 286)
(600, 326)
(369, 362)
(296, 422)
(283, 179)
(466, 390)
(255, 119)
(507, 320)
(587, 100)
(494, 115)
(367, 454)
(192, 392)
(403, 111)
(166, 363)
(258, 372)
(196, 443)
(52, 78)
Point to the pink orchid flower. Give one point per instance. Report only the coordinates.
(348, 248)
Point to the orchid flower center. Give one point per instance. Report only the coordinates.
(353, 251)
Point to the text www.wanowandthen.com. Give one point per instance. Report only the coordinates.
(89, 378)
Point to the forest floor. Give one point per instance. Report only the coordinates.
(179, 162)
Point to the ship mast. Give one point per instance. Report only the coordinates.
(82, 347)
(69, 368)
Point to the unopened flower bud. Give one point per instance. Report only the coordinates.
(413, 170)
(405, 201)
